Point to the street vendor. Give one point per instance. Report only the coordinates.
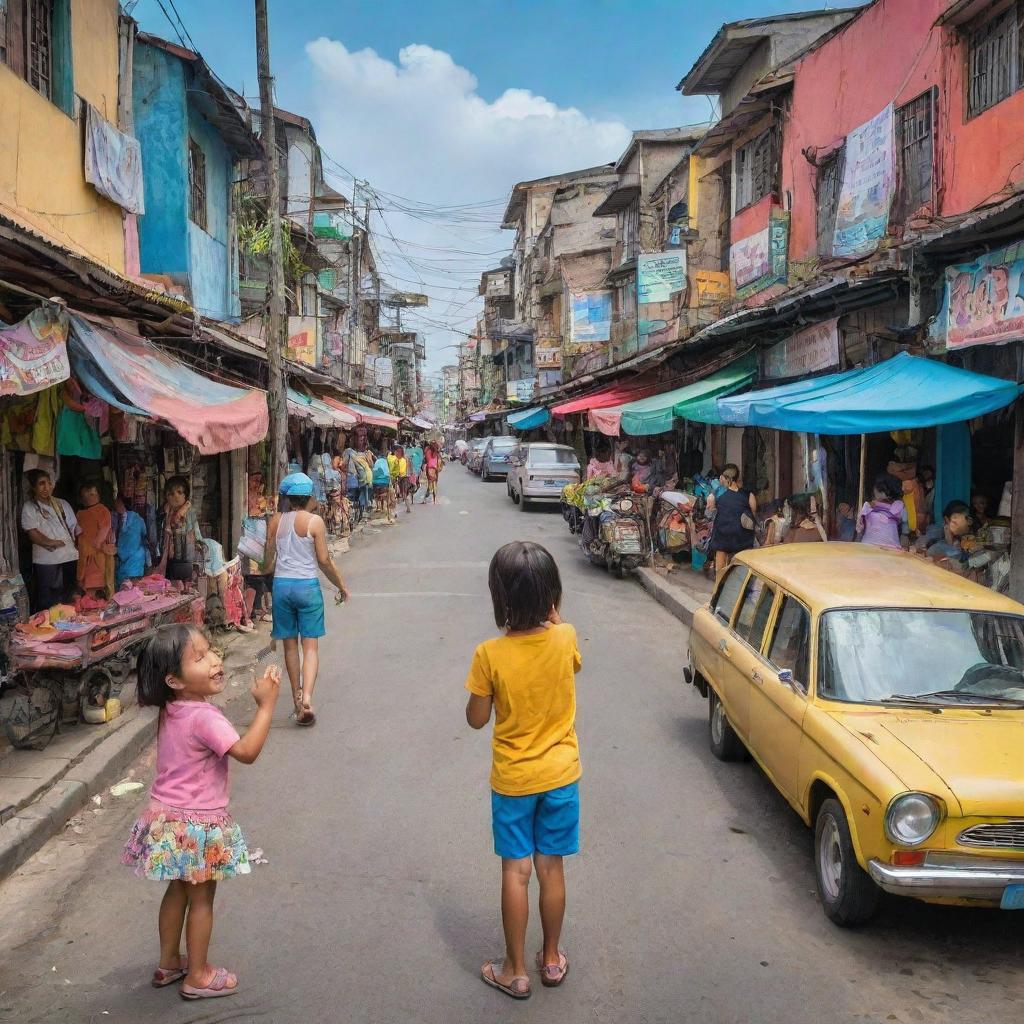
(180, 538)
(52, 527)
(945, 543)
(601, 463)
(96, 548)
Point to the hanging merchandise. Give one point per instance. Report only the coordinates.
(75, 433)
(33, 352)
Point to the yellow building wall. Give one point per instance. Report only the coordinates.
(42, 162)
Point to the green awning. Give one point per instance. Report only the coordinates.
(697, 402)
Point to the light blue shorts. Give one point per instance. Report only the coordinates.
(546, 823)
(298, 609)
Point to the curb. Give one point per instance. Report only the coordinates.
(676, 600)
(25, 833)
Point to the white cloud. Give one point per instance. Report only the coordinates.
(420, 129)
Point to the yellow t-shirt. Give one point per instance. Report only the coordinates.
(532, 681)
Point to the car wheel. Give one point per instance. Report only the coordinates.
(516, 497)
(725, 744)
(847, 894)
(523, 503)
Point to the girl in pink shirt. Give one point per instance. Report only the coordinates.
(186, 837)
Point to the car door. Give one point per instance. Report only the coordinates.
(718, 645)
(777, 708)
(743, 665)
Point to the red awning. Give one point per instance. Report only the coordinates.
(364, 414)
(615, 394)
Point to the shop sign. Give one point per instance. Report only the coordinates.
(591, 317)
(384, 373)
(712, 287)
(547, 356)
(865, 194)
(983, 301)
(34, 352)
(302, 342)
(660, 275)
(760, 260)
(811, 350)
(499, 285)
(519, 390)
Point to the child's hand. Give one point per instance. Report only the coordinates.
(267, 688)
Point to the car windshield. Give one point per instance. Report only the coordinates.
(479, 446)
(504, 443)
(552, 457)
(931, 656)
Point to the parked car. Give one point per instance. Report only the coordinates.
(494, 460)
(538, 472)
(476, 450)
(884, 698)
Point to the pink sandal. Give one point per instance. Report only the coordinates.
(517, 988)
(218, 986)
(163, 977)
(552, 975)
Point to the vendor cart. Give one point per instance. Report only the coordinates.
(70, 676)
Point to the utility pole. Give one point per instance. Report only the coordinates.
(277, 326)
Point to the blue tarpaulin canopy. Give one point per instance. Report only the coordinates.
(529, 419)
(899, 394)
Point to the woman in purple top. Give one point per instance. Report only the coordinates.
(881, 520)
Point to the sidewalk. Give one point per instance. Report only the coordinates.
(680, 590)
(41, 790)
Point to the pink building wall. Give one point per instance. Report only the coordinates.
(892, 53)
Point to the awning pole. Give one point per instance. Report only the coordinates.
(863, 471)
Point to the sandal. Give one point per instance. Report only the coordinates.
(162, 977)
(218, 987)
(552, 975)
(517, 988)
(305, 717)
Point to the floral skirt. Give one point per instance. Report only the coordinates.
(171, 844)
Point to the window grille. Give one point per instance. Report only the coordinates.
(915, 139)
(830, 183)
(756, 163)
(39, 46)
(196, 184)
(995, 64)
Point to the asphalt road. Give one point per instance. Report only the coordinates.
(692, 899)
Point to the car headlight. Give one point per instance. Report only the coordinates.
(911, 819)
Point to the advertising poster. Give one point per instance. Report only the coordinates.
(811, 350)
(591, 317)
(34, 353)
(866, 191)
(660, 275)
(762, 259)
(983, 301)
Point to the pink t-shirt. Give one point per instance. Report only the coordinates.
(191, 756)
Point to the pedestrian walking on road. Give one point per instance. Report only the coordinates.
(734, 510)
(528, 677)
(186, 837)
(296, 553)
(414, 454)
(432, 468)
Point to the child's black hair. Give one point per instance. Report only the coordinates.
(525, 585)
(160, 658)
(888, 485)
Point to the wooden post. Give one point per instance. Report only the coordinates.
(863, 473)
(1017, 507)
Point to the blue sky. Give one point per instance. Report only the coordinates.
(449, 103)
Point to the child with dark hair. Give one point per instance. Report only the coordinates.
(882, 520)
(527, 676)
(186, 837)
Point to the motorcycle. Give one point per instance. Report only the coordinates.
(615, 531)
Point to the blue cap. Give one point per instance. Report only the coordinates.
(297, 485)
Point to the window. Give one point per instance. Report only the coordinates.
(756, 169)
(914, 136)
(39, 46)
(754, 612)
(630, 232)
(790, 644)
(196, 184)
(995, 62)
(552, 457)
(724, 601)
(830, 183)
(35, 43)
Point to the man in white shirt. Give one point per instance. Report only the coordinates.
(52, 527)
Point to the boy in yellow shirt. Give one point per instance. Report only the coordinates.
(528, 677)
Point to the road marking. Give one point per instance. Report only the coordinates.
(415, 593)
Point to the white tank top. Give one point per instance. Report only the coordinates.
(296, 556)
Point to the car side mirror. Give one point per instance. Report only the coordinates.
(786, 676)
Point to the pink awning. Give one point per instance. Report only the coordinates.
(364, 414)
(615, 394)
(134, 375)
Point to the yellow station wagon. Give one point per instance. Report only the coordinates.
(884, 697)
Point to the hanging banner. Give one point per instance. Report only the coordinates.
(519, 390)
(660, 275)
(811, 350)
(591, 317)
(761, 260)
(113, 162)
(34, 353)
(983, 301)
(384, 372)
(865, 195)
(302, 339)
(547, 356)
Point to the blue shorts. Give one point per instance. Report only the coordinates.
(298, 609)
(539, 823)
